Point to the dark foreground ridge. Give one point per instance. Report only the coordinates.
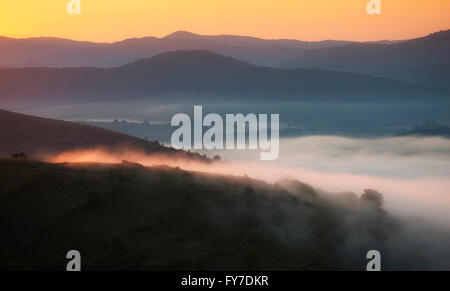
(128, 217)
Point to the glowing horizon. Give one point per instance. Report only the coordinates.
(109, 21)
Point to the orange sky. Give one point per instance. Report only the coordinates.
(112, 20)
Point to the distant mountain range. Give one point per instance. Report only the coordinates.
(429, 128)
(56, 52)
(36, 136)
(424, 60)
(437, 75)
(200, 76)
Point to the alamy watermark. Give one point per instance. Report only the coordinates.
(374, 7)
(75, 260)
(74, 7)
(222, 135)
(375, 260)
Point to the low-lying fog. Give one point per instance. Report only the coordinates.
(411, 172)
(299, 118)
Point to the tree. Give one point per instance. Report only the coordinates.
(374, 197)
(20, 155)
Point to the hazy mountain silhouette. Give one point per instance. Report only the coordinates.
(196, 76)
(433, 75)
(248, 41)
(55, 52)
(404, 60)
(35, 135)
(429, 128)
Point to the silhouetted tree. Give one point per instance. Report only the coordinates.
(374, 197)
(20, 155)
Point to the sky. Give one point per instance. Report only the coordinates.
(114, 20)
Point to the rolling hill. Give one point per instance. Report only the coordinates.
(56, 52)
(129, 217)
(429, 128)
(405, 60)
(437, 75)
(200, 76)
(35, 136)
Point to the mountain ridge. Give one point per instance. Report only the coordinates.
(60, 52)
(37, 136)
(389, 60)
(200, 74)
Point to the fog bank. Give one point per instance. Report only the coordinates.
(411, 173)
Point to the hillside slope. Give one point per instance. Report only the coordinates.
(200, 76)
(127, 217)
(35, 136)
(422, 60)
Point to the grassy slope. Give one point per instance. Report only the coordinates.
(130, 217)
(36, 136)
